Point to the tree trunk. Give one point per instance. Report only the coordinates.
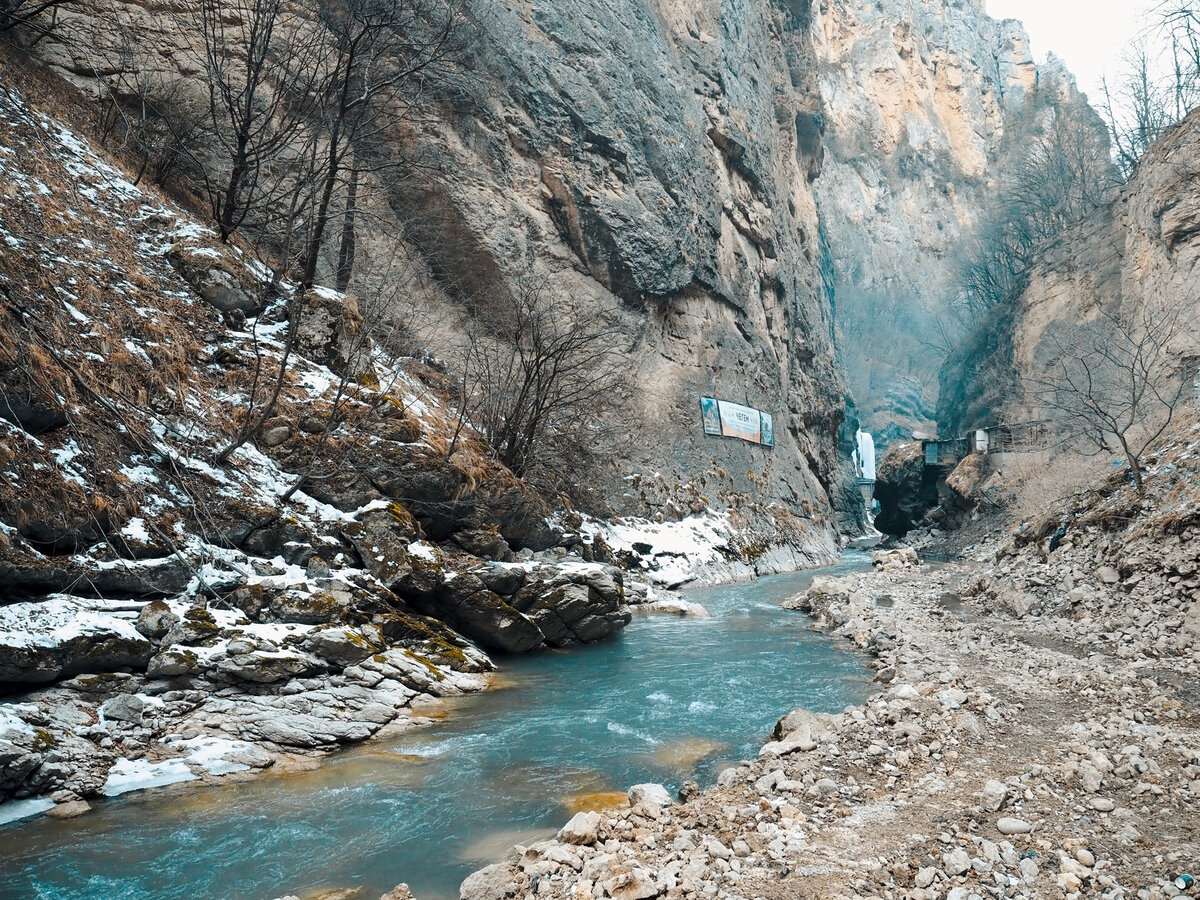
(345, 266)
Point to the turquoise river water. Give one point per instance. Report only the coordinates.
(671, 699)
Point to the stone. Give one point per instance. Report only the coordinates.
(583, 828)
(70, 809)
(96, 643)
(956, 862)
(344, 645)
(399, 892)
(1009, 826)
(1085, 857)
(124, 708)
(1108, 575)
(652, 794)
(634, 883)
(926, 876)
(1028, 868)
(994, 795)
(493, 882)
(156, 619)
(1102, 804)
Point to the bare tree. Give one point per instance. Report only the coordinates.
(262, 68)
(34, 19)
(1117, 384)
(537, 378)
(370, 57)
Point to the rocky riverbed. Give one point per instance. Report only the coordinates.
(1042, 746)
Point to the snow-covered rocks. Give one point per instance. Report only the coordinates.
(62, 636)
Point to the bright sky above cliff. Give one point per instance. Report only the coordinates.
(1088, 34)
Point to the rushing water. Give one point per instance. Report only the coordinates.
(670, 699)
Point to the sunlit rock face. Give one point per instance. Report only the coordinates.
(922, 98)
(1142, 251)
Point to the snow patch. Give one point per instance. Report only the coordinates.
(137, 774)
(23, 809)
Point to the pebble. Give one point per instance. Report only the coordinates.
(1103, 804)
(1008, 825)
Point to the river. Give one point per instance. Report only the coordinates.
(670, 699)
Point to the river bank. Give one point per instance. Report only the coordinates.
(670, 699)
(1034, 735)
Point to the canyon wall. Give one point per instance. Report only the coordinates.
(651, 163)
(1143, 249)
(922, 98)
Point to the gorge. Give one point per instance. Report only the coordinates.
(369, 465)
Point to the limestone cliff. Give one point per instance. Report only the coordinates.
(651, 162)
(1145, 246)
(920, 96)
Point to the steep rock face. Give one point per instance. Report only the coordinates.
(920, 96)
(1144, 247)
(652, 163)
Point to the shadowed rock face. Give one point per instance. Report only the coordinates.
(653, 162)
(925, 101)
(1144, 248)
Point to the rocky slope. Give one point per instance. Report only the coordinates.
(1034, 735)
(652, 164)
(1145, 247)
(922, 98)
(170, 612)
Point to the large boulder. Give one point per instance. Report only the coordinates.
(905, 488)
(216, 285)
(40, 642)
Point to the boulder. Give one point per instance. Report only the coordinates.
(124, 708)
(156, 619)
(905, 488)
(214, 284)
(41, 642)
(583, 828)
(494, 882)
(343, 645)
(650, 794)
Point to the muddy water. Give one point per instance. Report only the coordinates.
(670, 699)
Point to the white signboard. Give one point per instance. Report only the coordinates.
(725, 419)
(740, 421)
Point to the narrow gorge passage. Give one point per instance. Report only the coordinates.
(672, 698)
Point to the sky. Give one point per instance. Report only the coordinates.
(1088, 34)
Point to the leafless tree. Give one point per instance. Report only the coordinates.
(1116, 385)
(537, 379)
(1065, 173)
(1158, 83)
(262, 67)
(34, 20)
(369, 58)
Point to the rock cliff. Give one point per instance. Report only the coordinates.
(922, 98)
(1144, 247)
(652, 163)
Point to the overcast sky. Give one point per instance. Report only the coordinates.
(1088, 34)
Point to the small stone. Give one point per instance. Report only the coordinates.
(1028, 869)
(1108, 575)
(1008, 825)
(1085, 857)
(994, 795)
(956, 862)
(1103, 804)
(926, 877)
